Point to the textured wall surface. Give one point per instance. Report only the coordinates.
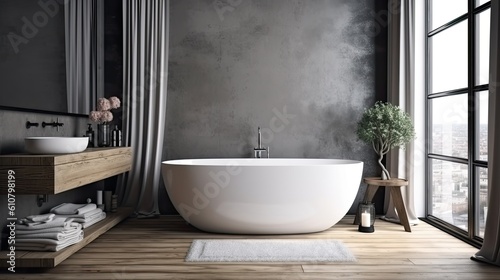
(301, 70)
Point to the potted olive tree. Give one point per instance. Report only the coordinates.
(385, 126)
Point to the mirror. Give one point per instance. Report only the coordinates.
(40, 59)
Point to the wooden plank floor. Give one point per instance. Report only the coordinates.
(155, 249)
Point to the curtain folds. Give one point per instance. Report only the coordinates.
(401, 65)
(83, 39)
(145, 63)
(490, 251)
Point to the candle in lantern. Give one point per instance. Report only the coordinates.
(365, 219)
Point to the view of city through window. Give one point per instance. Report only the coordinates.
(458, 112)
(450, 181)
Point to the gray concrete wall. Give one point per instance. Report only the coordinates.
(301, 70)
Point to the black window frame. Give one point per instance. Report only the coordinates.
(472, 90)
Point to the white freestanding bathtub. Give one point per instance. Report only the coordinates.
(262, 196)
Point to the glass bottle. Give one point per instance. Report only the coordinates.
(90, 134)
(116, 137)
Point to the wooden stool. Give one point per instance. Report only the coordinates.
(395, 189)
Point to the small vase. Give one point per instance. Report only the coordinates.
(103, 135)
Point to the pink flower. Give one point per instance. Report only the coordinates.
(106, 116)
(114, 102)
(95, 116)
(103, 113)
(103, 104)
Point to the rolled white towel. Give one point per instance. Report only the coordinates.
(71, 208)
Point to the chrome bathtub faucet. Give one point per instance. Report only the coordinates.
(257, 151)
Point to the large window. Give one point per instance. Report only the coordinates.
(457, 109)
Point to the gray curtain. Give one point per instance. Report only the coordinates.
(490, 251)
(145, 58)
(401, 63)
(84, 54)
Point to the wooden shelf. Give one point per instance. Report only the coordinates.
(51, 259)
(52, 174)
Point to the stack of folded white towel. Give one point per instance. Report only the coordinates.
(47, 233)
(58, 229)
(85, 214)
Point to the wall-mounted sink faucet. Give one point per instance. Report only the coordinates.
(30, 124)
(55, 124)
(257, 151)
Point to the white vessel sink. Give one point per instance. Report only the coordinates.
(55, 145)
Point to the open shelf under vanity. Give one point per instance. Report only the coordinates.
(52, 259)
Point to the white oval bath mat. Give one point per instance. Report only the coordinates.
(268, 250)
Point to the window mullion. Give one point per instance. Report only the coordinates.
(471, 120)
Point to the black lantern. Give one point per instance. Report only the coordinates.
(366, 212)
